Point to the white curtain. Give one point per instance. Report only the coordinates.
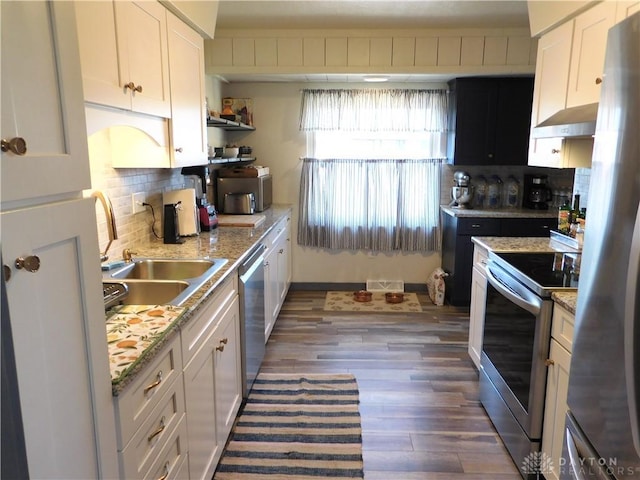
(381, 203)
(374, 110)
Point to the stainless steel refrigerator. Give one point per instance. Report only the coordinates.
(602, 438)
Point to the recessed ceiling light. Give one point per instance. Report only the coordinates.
(376, 78)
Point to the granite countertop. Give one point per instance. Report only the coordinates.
(532, 244)
(568, 300)
(499, 212)
(136, 333)
(521, 244)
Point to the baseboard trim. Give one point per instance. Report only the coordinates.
(302, 286)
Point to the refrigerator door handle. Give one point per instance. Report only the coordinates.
(632, 333)
(584, 463)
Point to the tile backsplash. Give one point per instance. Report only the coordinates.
(119, 184)
(562, 179)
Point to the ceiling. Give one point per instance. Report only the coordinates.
(372, 14)
(365, 14)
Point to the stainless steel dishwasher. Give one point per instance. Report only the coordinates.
(252, 316)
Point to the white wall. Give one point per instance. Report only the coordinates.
(278, 144)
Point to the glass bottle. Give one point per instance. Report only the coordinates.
(513, 192)
(564, 218)
(494, 193)
(480, 196)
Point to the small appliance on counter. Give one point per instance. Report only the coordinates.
(239, 203)
(462, 191)
(536, 192)
(187, 210)
(259, 187)
(171, 224)
(200, 177)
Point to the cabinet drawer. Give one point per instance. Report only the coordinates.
(139, 399)
(562, 326)
(172, 458)
(198, 329)
(278, 230)
(480, 256)
(528, 227)
(478, 226)
(146, 444)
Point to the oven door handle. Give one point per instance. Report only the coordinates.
(529, 301)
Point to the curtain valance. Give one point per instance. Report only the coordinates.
(400, 110)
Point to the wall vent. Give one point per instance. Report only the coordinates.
(385, 285)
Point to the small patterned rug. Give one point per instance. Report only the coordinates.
(296, 427)
(343, 301)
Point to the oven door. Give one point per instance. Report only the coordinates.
(515, 347)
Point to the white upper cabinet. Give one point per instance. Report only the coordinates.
(123, 51)
(188, 116)
(569, 68)
(42, 104)
(587, 53)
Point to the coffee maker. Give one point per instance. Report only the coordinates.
(462, 191)
(200, 178)
(536, 192)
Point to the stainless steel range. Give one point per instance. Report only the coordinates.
(516, 337)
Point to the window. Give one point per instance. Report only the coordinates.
(369, 183)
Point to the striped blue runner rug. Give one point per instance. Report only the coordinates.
(302, 427)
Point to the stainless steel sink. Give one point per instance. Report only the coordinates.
(161, 281)
(165, 269)
(153, 292)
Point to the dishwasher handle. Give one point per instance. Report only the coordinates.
(255, 260)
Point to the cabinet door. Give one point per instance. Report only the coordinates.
(141, 31)
(555, 407)
(188, 119)
(587, 53)
(513, 121)
(550, 89)
(476, 313)
(200, 394)
(271, 295)
(101, 73)
(474, 122)
(228, 372)
(60, 340)
(284, 266)
(42, 101)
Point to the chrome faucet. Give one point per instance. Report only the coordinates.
(111, 221)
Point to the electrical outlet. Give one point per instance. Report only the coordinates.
(137, 199)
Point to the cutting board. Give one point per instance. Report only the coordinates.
(240, 220)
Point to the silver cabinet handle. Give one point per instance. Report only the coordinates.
(153, 385)
(157, 431)
(30, 263)
(16, 145)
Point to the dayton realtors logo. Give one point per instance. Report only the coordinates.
(537, 463)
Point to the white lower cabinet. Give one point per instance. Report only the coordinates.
(277, 272)
(175, 418)
(150, 413)
(555, 407)
(213, 386)
(478, 299)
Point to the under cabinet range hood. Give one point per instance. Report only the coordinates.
(570, 122)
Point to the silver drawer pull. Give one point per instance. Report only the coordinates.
(154, 384)
(166, 472)
(157, 431)
(475, 225)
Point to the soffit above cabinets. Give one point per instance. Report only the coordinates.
(372, 14)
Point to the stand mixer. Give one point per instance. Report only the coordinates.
(462, 191)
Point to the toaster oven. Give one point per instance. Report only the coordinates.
(260, 187)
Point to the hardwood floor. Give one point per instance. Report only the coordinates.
(421, 416)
